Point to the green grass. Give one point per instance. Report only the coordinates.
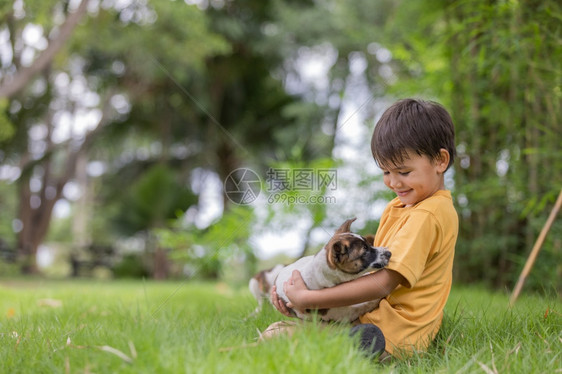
(184, 327)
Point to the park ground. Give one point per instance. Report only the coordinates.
(194, 327)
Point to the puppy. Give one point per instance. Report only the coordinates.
(347, 256)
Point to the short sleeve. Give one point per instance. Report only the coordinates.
(413, 245)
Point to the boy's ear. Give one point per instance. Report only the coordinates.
(442, 161)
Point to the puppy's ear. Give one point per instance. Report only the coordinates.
(333, 250)
(339, 247)
(370, 239)
(346, 226)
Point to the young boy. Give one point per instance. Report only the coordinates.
(413, 144)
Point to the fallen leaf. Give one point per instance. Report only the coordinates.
(486, 369)
(132, 349)
(52, 303)
(223, 288)
(18, 341)
(10, 313)
(117, 353)
(515, 349)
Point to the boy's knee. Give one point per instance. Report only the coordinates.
(371, 339)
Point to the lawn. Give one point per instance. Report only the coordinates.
(189, 327)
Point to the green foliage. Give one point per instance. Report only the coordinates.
(169, 32)
(6, 6)
(286, 201)
(153, 199)
(419, 58)
(36, 11)
(206, 250)
(7, 130)
(208, 89)
(131, 266)
(8, 207)
(9, 269)
(506, 104)
(495, 66)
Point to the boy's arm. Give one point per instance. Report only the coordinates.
(366, 288)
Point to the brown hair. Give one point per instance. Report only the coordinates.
(414, 125)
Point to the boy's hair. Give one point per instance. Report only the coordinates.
(414, 125)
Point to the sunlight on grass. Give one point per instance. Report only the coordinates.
(189, 327)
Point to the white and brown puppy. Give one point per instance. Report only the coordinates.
(347, 256)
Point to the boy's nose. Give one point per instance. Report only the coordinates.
(395, 182)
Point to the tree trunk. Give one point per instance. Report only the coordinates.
(35, 214)
(227, 162)
(161, 264)
(35, 209)
(161, 268)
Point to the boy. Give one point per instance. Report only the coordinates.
(413, 144)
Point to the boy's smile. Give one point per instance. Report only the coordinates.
(417, 178)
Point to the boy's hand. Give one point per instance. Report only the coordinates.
(279, 304)
(296, 291)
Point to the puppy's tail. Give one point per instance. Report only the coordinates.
(261, 284)
(256, 289)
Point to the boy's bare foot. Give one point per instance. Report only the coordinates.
(279, 328)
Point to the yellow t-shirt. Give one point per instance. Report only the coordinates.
(422, 241)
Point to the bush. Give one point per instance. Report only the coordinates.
(131, 266)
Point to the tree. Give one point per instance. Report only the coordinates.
(68, 92)
(324, 34)
(134, 77)
(494, 64)
(506, 99)
(23, 75)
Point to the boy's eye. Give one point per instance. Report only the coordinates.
(404, 173)
(386, 172)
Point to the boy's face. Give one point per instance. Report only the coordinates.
(417, 178)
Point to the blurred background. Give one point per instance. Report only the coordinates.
(208, 139)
